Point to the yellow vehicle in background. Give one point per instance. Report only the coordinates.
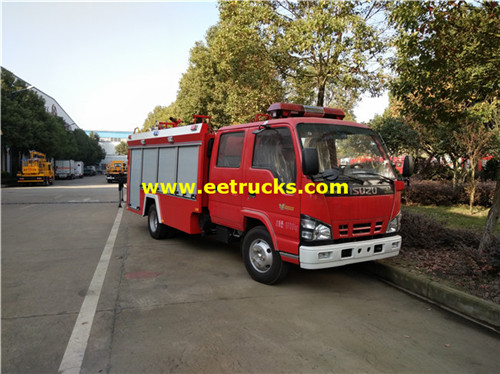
(116, 171)
(36, 169)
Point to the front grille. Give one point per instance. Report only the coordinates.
(359, 229)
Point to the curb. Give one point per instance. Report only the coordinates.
(471, 307)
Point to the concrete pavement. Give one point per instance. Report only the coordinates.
(468, 306)
(187, 305)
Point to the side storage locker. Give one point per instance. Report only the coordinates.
(134, 187)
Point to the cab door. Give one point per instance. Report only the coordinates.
(271, 162)
(226, 171)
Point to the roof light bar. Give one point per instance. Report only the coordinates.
(285, 110)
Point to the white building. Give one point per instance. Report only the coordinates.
(108, 140)
(52, 106)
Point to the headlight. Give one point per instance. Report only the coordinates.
(312, 229)
(394, 224)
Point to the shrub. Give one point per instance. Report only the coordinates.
(489, 171)
(429, 170)
(485, 192)
(420, 232)
(425, 192)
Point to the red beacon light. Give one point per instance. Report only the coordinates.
(285, 110)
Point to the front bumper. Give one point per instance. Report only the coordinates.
(31, 179)
(332, 255)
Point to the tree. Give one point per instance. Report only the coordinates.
(88, 149)
(476, 141)
(328, 52)
(231, 76)
(399, 137)
(492, 110)
(160, 114)
(96, 153)
(26, 125)
(262, 52)
(122, 148)
(447, 67)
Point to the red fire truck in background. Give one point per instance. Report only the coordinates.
(296, 145)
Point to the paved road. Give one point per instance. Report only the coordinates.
(187, 305)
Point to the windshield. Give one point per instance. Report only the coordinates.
(354, 151)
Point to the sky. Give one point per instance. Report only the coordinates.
(108, 64)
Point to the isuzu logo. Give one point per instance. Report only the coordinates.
(364, 190)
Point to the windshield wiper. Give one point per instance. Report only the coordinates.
(334, 174)
(383, 177)
(354, 179)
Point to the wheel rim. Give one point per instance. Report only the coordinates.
(153, 221)
(261, 255)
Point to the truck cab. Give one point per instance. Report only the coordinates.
(115, 171)
(36, 169)
(303, 149)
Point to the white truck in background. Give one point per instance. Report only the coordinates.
(65, 169)
(78, 169)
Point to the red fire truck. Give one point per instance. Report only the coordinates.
(296, 145)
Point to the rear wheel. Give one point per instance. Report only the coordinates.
(158, 230)
(262, 262)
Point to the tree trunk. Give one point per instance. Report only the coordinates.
(455, 172)
(491, 222)
(473, 185)
(321, 94)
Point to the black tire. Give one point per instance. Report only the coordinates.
(262, 262)
(158, 230)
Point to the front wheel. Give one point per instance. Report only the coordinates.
(158, 230)
(262, 262)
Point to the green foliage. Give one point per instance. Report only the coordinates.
(261, 52)
(88, 149)
(161, 114)
(231, 77)
(447, 63)
(122, 148)
(329, 52)
(399, 137)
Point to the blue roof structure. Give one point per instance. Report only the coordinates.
(110, 134)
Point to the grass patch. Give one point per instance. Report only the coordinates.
(456, 217)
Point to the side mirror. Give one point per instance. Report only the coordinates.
(408, 166)
(310, 162)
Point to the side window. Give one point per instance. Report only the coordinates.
(273, 150)
(230, 148)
